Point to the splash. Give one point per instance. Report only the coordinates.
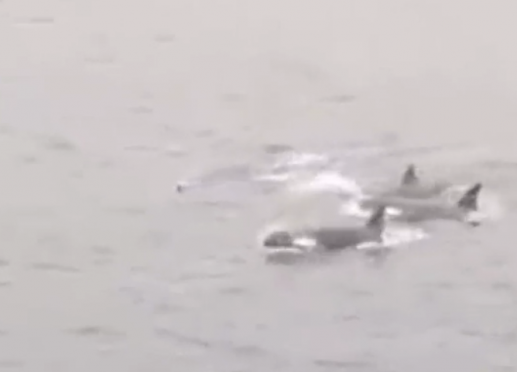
(328, 181)
(285, 168)
(301, 160)
(395, 235)
(353, 207)
(350, 193)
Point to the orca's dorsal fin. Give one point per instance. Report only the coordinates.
(409, 177)
(376, 220)
(469, 200)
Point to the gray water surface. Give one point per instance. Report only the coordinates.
(105, 105)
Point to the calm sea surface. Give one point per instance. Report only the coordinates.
(105, 105)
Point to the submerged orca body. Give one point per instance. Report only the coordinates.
(411, 186)
(332, 238)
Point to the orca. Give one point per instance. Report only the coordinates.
(414, 210)
(332, 238)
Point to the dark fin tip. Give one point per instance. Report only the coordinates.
(469, 200)
(377, 217)
(409, 175)
(476, 188)
(181, 186)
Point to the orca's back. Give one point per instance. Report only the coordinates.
(340, 238)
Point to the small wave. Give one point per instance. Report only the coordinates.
(284, 169)
(217, 177)
(328, 182)
(295, 169)
(396, 237)
(298, 160)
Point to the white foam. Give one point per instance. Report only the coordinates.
(393, 235)
(353, 207)
(303, 159)
(305, 242)
(334, 182)
(288, 168)
(283, 177)
(328, 182)
(401, 235)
